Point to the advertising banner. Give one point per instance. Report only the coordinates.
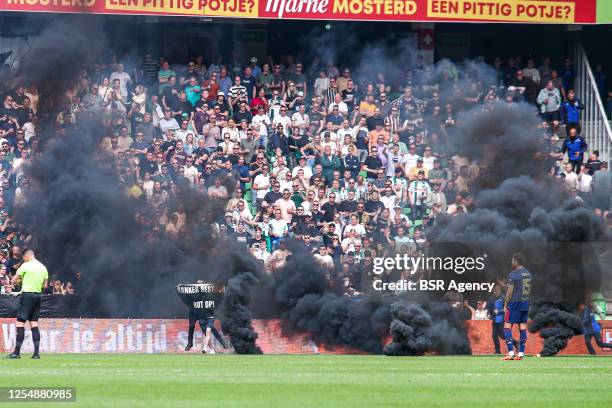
(170, 336)
(547, 11)
(516, 11)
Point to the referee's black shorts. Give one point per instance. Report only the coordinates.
(29, 307)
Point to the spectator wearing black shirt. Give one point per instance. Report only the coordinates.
(349, 95)
(351, 162)
(271, 196)
(243, 113)
(14, 262)
(148, 165)
(349, 205)
(317, 173)
(374, 206)
(375, 120)
(524, 89)
(299, 217)
(372, 163)
(234, 155)
(170, 96)
(249, 82)
(189, 73)
(330, 208)
(170, 141)
(316, 215)
(329, 233)
(184, 108)
(241, 235)
(204, 103)
(306, 228)
(278, 139)
(296, 142)
(258, 239)
(593, 163)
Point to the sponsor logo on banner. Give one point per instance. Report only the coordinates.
(530, 11)
(534, 11)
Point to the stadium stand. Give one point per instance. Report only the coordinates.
(343, 163)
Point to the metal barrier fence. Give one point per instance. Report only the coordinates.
(595, 125)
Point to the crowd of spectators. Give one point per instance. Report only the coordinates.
(349, 164)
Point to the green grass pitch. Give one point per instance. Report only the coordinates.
(195, 380)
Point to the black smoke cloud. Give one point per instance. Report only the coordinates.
(504, 139)
(83, 221)
(309, 305)
(61, 51)
(84, 224)
(237, 324)
(416, 331)
(557, 324)
(517, 205)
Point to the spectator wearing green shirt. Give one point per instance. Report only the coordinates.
(193, 91)
(163, 75)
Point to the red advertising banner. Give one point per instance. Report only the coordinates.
(541, 11)
(170, 336)
(527, 11)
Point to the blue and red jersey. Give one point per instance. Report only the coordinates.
(520, 279)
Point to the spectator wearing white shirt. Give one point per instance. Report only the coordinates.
(168, 123)
(571, 178)
(324, 258)
(389, 200)
(302, 166)
(286, 205)
(282, 119)
(428, 159)
(346, 130)
(232, 130)
(261, 122)
(278, 228)
(300, 119)
(349, 242)
(123, 77)
(157, 112)
(191, 172)
(585, 183)
(393, 160)
(181, 134)
(531, 71)
(329, 128)
(354, 225)
(261, 184)
(342, 107)
(321, 84)
(410, 159)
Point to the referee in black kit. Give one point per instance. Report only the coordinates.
(33, 277)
